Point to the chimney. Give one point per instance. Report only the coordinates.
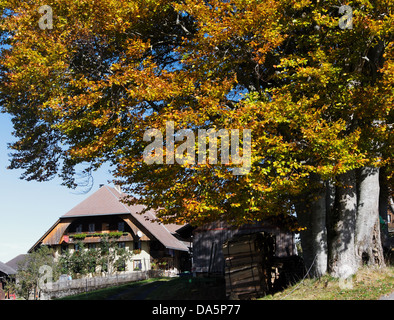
(117, 188)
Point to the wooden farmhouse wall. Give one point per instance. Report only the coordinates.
(55, 233)
(208, 241)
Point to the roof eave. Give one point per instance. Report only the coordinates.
(43, 237)
(92, 215)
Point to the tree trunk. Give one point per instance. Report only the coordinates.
(319, 233)
(368, 247)
(305, 234)
(341, 224)
(342, 262)
(311, 212)
(384, 207)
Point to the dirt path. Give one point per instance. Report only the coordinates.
(389, 296)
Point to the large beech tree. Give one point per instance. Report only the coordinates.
(315, 90)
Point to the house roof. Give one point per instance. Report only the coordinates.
(6, 269)
(15, 263)
(106, 201)
(103, 202)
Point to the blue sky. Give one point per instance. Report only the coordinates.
(28, 208)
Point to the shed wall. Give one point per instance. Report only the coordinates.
(208, 240)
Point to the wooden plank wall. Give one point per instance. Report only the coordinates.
(54, 236)
(208, 240)
(248, 265)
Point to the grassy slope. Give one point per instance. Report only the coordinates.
(367, 284)
(182, 288)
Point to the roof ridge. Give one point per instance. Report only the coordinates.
(117, 198)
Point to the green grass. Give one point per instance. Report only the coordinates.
(367, 284)
(188, 288)
(182, 288)
(107, 293)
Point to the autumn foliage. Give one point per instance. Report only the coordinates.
(318, 99)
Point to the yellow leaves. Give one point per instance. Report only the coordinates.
(136, 48)
(111, 69)
(220, 22)
(298, 4)
(291, 61)
(235, 205)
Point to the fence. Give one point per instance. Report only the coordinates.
(64, 288)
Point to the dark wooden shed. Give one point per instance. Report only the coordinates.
(249, 261)
(208, 241)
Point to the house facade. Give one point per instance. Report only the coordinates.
(153, 244)
(6, 274)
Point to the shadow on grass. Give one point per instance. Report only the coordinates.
(182, 288)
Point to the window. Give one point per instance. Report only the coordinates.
(137, 265)
(91, 246)
(77, 247)
(64, 248)
(78, 228)
(121, 226)
(137, 245)
(92, 227)
(121, 245)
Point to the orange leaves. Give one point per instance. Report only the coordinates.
(236, 27)
(109, 70)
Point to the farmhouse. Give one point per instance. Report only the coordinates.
(102, 213)
(6, 274)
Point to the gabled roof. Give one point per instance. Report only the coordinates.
(106, 201)
(6, 269)
(15, 262)
(103, 202)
